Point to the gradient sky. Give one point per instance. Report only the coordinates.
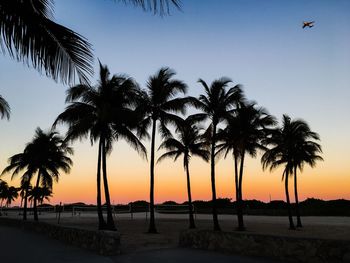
(259, 44)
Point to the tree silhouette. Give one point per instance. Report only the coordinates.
(3, 189)
(305, 152)
(104, 113)
(216, 105)
(40, 194)
(190, 143)
(291, 147)
(45, 155)
(157, 104)
(10, 194)
(4, 108)
(243, 134)
(25, 189)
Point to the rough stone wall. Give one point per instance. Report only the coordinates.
(283, 248)
(102, 242)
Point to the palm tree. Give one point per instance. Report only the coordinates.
(3, 189)
(4, 108)
(158, 103)
(25, 188)
(45, 156)
(40, 194)
(292, 148)
(11, 194)
(216, 105)
(29, 34)
(243, 134)
(105, 113)
(190, 143)
(305, 152)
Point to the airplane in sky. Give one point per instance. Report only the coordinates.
(308, 24)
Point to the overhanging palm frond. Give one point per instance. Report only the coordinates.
(157, 6)
(4, 108)
(29, 35)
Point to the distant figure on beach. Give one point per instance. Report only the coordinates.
(308, 24)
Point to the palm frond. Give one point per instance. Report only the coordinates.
(157, 6)
(4, 109)
(29, 35)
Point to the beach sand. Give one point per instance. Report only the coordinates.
(134, 236)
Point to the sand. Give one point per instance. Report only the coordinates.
(134, 236)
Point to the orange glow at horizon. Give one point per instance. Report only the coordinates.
(128, 177)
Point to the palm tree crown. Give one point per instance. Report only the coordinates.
(292, 145)
(190, 143)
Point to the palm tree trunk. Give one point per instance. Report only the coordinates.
(212, 177)
(25, 204)
(240, 198)
(101, 221)
(110, 221)
(152, 225)
(190, 208)
(296, 198)
(2, 200)
(236, 181)
(35, 210)
(291, 223)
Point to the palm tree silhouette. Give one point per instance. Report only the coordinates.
(292, 148)
(190, 143)
(25, 189)
(243, 134)
(10, 194)
(17, 163)
(45, 155)
(305, 152)
(157, 104)
(4, 108)
(40, 194)
(3, 190)
(216, 104)
(104, 113)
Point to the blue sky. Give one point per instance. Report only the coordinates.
(259, 44)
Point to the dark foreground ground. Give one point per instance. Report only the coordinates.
(135, 239)
(18, 246)
(138, 246)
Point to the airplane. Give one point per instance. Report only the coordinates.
(308, 24)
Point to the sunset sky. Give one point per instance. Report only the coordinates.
(259, 44)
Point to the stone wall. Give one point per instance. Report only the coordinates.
(282, 248)
(102, 242)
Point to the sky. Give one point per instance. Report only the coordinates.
(259, 44)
